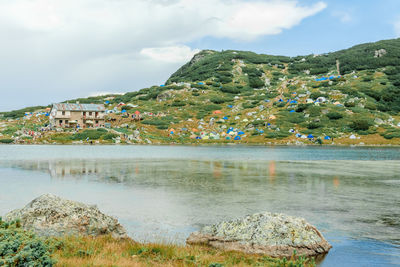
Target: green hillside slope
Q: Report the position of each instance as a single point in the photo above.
(347, 97)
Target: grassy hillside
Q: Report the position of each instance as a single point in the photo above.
(347, 97)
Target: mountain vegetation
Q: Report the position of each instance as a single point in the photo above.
(350, 96)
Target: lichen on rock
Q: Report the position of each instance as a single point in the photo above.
(50, 215)
(276, 235)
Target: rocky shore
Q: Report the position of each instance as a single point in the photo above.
(50, 215)
(275, 235)
(271, 234)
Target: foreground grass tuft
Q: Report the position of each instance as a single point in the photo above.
(106, 251)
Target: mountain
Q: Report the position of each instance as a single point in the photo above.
(352, 96)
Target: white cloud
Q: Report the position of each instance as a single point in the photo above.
(51, 50)
(173, 54)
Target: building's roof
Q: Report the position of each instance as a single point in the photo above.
(79, 107)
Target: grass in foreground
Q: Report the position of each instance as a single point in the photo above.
(106, 251)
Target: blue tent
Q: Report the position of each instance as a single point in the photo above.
(269, 124)
(280, 100)
(198, 137)
(298, 135)
(240, 133)
(310, 136)
(200, 83)
(225, 118)
(292, 111)
(230, 106)
(327, 138)
(162, 85)
(107, 102)
(238, 138)
(261, 131)
(293, 102)
(47, 114)
(228, 138)
(123, 111)
(171, 132)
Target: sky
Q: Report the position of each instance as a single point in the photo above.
(51, 51)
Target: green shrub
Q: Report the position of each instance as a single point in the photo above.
(22, 248)
(230, 89)
(91, 134)
(391, 133)
(301, 107)
(277, 135)
(6, 141)
(211, 107)
(249, 105)
(313, 125)
(219, 100)
(156, 122)
(334, 115)
(178, 103)
(295, 118)
(361, 124)
(109, 136)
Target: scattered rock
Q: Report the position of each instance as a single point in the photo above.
(50, 215)
(275, 235)
(380, 53)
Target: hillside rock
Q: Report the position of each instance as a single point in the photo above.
(275, 235)
(50, 215)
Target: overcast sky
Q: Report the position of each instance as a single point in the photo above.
(52, 51)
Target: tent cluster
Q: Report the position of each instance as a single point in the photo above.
(327, 78)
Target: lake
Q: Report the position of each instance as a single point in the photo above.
(163, 193)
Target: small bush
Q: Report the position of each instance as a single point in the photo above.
(277, 135)
(178, 104)
(109, 136)
(6, 141)
(334, 115)
(313, 125)
(21, 248)
(361, 124)
(91, 134)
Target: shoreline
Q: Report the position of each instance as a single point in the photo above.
(212, 144)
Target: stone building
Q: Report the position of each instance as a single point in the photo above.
(68, 115)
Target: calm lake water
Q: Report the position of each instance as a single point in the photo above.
(163, 193)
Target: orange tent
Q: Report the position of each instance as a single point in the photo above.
(195, 130)
(137, 112)
(217, 112)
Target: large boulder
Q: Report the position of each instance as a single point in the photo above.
(275, 235)
(50, 215)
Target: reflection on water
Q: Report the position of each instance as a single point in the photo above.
(353, 197)
(356, 204)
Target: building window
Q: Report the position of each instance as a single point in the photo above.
(66, 121)
(97, 122)
(60, 122)
(97, 114)
(63, 113)
(90, 113)
(84, 113)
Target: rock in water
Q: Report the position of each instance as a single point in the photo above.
(275, 235)
(50, 215)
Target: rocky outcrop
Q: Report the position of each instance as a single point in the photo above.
(380, 53)
(50, 215)
(275, 235)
